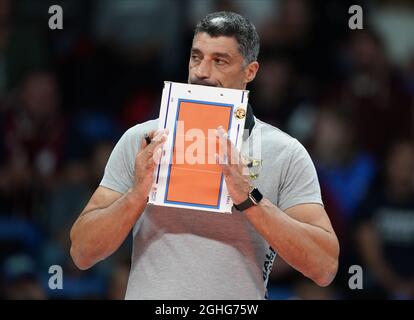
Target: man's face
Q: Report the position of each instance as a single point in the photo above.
(217, 61)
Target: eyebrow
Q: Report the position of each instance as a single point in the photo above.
(217, 54)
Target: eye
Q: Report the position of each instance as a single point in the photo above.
(220, 62)
(195, 57)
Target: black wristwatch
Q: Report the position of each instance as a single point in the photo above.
(252, 200)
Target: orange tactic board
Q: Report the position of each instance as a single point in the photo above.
(198, 180)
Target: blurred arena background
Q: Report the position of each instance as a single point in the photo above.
(67, 95)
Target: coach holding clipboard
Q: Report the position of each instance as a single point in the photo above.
(178, 254)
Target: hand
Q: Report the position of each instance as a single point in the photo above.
(146, 160)
(230, 161)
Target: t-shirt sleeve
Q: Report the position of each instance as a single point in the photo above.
(300, 182)
(119, 170)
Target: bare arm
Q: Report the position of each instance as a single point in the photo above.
(302, 236)
(103, 225)
(109, 216)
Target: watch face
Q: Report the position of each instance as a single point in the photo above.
(256, 195)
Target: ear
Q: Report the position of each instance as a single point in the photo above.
(250, 71)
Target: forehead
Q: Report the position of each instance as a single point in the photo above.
(221, 44)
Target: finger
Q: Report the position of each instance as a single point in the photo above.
(246, 172)
(151, 135)
(157, 153)
(222, 136)
(148, 136)
(222, 151)
(221, 161)
(155, 159)
(143, 143)
(233, 155)
(165, 130)
(159, 139)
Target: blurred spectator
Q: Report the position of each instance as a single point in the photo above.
(274, 94)
(345, 172)
(69, 196)
(118, 281)
(16, 42)
(140, 108)
(392, 16)
(87, 129)
(291, 25)
(374, 91)
(409, 78)
(33, 133)
(60, 209)
(17, 235)
(157, 42)
(343, 168)
(20, 279)
(385, 232)
(294, 32)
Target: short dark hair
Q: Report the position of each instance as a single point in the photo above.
(231, 24)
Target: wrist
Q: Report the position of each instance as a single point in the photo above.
(136, 197)
(242, 195)
(253, 198)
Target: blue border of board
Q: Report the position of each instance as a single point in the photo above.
(170, 162)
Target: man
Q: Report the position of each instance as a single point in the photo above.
(185, 254)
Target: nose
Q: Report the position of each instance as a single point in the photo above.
(203, 70)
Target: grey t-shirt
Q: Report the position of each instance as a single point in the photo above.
(189, 254)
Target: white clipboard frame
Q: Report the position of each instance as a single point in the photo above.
(172, 95)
